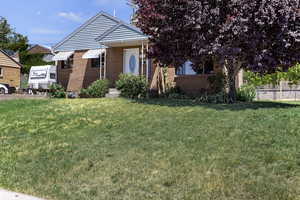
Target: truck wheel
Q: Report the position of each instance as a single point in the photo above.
(2, 91)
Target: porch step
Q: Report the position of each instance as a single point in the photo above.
(113, 93)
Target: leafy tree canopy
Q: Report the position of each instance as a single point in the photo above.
(11, 40)
(29, 60)
(260, 35)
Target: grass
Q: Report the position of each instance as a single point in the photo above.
(156, 149)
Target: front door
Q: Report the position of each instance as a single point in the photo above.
(131, 61)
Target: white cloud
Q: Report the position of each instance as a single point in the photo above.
(71, 16)
(45, 31)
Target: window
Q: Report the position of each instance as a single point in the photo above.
(65, 64)
(52, 76)
(96, 61)
(188, 68)
(1, 72)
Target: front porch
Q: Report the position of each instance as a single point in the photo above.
(124, 57)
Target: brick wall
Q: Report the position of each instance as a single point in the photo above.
(80, 76)
(114, 64)
(190, 84)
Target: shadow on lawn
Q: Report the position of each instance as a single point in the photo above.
(233, 107)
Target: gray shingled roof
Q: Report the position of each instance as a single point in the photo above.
(90, 34)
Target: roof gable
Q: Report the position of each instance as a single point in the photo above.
(7, 61)
(121, 31)
(84, 37)
(39, 49)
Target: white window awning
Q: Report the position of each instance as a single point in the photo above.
(95, 53)
(63, 55)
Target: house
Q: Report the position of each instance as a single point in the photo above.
(105, 47)
(12, 54)
(43, 50)
(10, 70)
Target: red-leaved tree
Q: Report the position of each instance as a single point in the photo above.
(260, 35)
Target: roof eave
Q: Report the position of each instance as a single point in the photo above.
(19, 64)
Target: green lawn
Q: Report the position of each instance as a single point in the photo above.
(157, 149)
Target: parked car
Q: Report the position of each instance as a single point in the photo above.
(42, 77)
(6, 89)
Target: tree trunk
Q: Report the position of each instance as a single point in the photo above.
(161, 80)
(232, 90)
(158, 79)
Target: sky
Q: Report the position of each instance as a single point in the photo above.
(47, 22)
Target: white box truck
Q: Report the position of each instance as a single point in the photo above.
(42, 77)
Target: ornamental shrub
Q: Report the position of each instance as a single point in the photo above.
(217, 82)
(292, 75)
(246, 93)
(132, 86)
(98, 89)
(218, 98)
(57, 91)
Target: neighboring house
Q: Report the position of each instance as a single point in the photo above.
(12, 54)
(10, 70)
(105, 47)
(39, 49)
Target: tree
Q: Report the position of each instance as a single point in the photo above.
(5, 31)
(260, 35)
(11, 40)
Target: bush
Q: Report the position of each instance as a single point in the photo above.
(292, 75)
(132, 86)
(57, 91)
(246, 93)
(97, 90)
(174, 93)
(217, 82)
(219, 98)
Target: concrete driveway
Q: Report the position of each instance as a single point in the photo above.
(20, 96)
(7, 195)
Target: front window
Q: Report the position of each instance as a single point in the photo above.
(1, 72)
(65, 64)
(188, 68)
(96, 61)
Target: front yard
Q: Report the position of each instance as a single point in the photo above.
(118, 149)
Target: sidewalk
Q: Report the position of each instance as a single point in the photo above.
(7, 195)
(20, 96)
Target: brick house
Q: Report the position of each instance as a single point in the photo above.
(105, 47)
(10, 70)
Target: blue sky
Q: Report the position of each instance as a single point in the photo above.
(47, 22)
